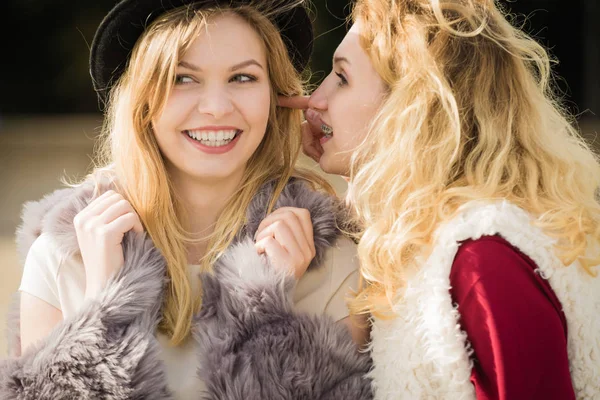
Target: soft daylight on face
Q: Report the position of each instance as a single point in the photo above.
(347, 101)
(218, 110)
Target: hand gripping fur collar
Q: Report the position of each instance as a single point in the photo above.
(251, 344)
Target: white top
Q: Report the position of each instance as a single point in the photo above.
(60, 281)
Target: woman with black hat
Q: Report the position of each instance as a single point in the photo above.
(196, 177)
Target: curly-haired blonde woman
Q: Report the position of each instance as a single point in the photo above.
(479, 202)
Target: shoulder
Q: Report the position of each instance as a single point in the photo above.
(475, 253)
(46, 248)
(47, 253)
(54, 215)
(491, 261)
(41, 269)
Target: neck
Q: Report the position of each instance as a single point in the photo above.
(203, 201)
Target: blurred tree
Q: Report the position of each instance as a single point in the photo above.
(330, 24)
(46, 70)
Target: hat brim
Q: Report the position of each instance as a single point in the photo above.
(125, 23)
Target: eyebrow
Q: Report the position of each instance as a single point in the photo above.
(245, 64)
(338, 59)
(236, 67)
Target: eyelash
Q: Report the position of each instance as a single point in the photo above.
(251, 78)
(235, 78)
(343, 80)
(178, 79)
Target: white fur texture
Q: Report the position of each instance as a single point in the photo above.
(423, 354)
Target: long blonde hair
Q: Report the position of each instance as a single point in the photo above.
(130, 152)
(471, 114)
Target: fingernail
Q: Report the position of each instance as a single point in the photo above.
(311, 114)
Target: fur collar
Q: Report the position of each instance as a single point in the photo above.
(423, 353)
(54, 215)
(251, 343)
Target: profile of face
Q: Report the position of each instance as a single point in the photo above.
(347, 102)
(217, 113)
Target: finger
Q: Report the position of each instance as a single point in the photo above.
(122, 207)
(272, 248)
(297, 102)
(115, 210)
(290, 236)
(313, 117)
(310, 141)
(102, 203)
(302, 219)
(88, 209)
(298, 221)
(312, 154)
(125, 223)
(269, 219)
(277, 255)
(305, 221)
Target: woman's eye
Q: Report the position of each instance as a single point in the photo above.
(183, 79)
(343, 81)
(242, 78)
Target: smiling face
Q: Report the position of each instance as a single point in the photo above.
(347, 101)
(218, 109)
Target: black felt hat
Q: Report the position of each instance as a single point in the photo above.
(124, 24)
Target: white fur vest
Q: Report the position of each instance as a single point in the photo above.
(423, 354)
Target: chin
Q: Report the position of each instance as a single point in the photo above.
(210, 175)
(332, 166)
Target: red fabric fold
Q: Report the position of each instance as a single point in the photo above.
(514, 322)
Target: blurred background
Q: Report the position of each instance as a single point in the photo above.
(49, 115)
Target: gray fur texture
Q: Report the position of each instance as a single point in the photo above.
(324, 213)
(251, 343)
(107, 350)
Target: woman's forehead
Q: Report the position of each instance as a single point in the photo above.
(226, 40)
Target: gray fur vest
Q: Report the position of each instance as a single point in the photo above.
(251, 343)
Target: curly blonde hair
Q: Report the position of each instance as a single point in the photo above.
(471, 114)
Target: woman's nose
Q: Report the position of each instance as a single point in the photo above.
(318, 100)
(216, 102)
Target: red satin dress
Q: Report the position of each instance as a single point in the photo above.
(514, 322)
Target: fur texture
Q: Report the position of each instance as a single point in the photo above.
(326, 214)
(248, 331)
(424, 354)
(108, 349)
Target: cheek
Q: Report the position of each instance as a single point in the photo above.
(174, 113)
(361, 109)
(347, 113)
(254, 105)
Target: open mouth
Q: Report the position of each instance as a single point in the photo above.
(327, 131)
(214, 138)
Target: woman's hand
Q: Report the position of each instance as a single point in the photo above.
(311, 128)
(100, 229)
(286, 237)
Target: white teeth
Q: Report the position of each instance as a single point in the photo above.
(213, 138)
